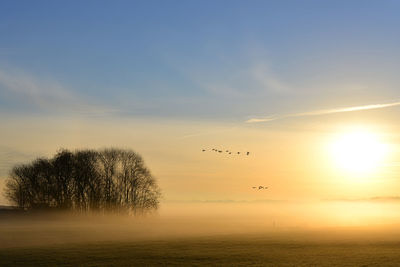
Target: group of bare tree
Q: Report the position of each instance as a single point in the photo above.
(85, 180)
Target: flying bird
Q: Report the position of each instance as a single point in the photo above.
(227, 151)
(260, 187)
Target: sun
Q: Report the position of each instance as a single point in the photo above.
(358, 152)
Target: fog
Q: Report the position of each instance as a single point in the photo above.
(307, 221)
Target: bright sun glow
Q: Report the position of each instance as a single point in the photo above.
(358, 152)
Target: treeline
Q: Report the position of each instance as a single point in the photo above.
(85, 180)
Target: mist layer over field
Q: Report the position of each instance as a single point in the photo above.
(329, 221)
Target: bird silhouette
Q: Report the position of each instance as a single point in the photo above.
(260, 187)
(227, 151)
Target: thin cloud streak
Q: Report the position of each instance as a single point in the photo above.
(196, 134)
(50, 96)
(324, 112)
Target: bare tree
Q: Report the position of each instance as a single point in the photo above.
(85, 180)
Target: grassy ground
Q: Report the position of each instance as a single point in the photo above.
(68, 240)
(218, 251)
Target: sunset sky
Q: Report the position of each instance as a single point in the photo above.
(310, 88)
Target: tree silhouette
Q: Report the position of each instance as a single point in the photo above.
(86, 180)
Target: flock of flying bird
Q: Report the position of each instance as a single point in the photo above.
(226, 151)
(238, 153)
(260, 187)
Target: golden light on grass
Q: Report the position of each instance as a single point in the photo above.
(358, 152)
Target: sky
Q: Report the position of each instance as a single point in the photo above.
(281, 79)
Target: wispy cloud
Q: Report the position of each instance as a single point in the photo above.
(371, 199)
(273, 201)
(9, 157)
(209, 132)
(323, 112)
(267, 79)
(46, 95)
(256, 79)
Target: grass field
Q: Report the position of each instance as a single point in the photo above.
(218, 251)
(71, 240)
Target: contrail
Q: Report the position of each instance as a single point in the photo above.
(323, 112)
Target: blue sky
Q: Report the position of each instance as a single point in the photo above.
(223, 60)
(167, 78)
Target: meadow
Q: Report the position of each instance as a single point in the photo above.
(72, 240)
(210, 251)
